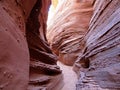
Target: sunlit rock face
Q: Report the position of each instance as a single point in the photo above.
(22, 61)
(100, 59)
(67, 28)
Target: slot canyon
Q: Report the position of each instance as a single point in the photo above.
(59, 44)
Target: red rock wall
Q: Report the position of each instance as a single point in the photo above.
(100, 60)
(44, 73)
(14, 54)
(21, 20)
(67, 28)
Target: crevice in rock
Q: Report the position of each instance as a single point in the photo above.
(33, 24)
(83, 33)
(42, 60)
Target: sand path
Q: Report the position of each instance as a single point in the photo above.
(70, 77)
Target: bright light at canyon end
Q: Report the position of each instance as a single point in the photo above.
(52, 9)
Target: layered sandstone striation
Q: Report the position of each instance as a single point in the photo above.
(99, 63)
(26, 60)
(25, 56)
(96, 45)
(67, 28)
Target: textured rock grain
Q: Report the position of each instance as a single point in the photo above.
(100, 59)
(14, 54)
(20, 58)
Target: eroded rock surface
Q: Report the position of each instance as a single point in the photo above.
(43, 61)
(24, 62)
(67, 28)
(100, 60)
(14, 54)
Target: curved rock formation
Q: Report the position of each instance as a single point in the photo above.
(67, 28)
(14, 54)
(21, 20)
(100, 59)
(26, 60)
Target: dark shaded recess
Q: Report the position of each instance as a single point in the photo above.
(36, 54)
(38, 82)
(44, 32)
(33, 24)
(35, 42)
(39, 67)
(85, 62)
(93, 2)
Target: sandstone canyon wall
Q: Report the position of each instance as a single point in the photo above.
(26, 60)
(99, 63)
(93, 42)
(44, 73)
(74, 34)
(14, 54)
(67, 28)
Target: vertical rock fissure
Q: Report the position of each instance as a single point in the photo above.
(35, 43)
(33, 24)
(44, 72)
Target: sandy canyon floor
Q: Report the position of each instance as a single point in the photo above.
(70, 77)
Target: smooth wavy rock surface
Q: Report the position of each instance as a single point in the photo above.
(67, 28)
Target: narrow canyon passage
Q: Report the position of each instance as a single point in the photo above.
(74, 47)
(85, 34)
(67, 23)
